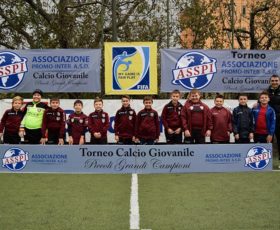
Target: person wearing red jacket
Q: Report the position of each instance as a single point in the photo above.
(10, 122)
(77, 125)
(98, 123)
(222, 125)
(171, 119)
(125, 119)
(147, 124)
(196, 119)
(53, 125)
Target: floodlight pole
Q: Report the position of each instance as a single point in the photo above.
(232, 22)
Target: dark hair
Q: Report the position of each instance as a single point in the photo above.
(147, 98)
(126, 96)
(175, 91)
(274, 76)
(242, 95)
(219, 96)
(54, 99)
(264, 93)
(38, 91)
(78, 102)
(98, 99)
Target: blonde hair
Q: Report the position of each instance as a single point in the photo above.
(17, 98)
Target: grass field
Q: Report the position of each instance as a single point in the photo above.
(166, 201)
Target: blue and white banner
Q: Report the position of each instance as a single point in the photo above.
(51, 70)
(218, 70)
(136, 158)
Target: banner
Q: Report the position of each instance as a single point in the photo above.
(51, 70)
(131, 68)
(136, 158)
(218, 70)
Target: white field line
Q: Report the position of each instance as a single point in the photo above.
(134, 206)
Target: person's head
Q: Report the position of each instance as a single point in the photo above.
(37, 95)
(54, 103)
(98, 104)
(17, 102)
(175, 96)
(243, 99)
(194, 95)
(78, 106)
(125, 101)
(274, 81)
(148, 101)
(219, 101)
(264, 98)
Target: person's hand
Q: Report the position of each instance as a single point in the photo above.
(157, 140)
(70, 140)
(208, 133)
(170, 131)
(178, 131)
(43, 141)
(228, 133)
(97, 135)
(117, 138)
(236, 136)
(60, 141)
(137, 140)
(269, 138)
(187, 133)
(251, 136)
(21, 133)
(82, 140)
(1, 135)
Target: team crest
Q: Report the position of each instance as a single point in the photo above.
(15, 159)
(12, 70)
(194, 70)
(258, 158)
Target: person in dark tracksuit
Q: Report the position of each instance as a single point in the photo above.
(147, 124)
(171, 119)
(274, 95)
(77, 125)
(31, 124)
(98, 123)
(53, 125)
(242, 121)
(125, 120)
(10, 122)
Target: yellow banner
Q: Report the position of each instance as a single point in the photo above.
(131, 68)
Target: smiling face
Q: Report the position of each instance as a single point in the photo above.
(175, 98)
(148, 104)
(17, 105)
(274, 82)
(194, 97)
(219, 102)
(78, 107)
(98, 105)
(125, 102)
(243, 100)
(264, 99)
(37, 97)
(54, 104)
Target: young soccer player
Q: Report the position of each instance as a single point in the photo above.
(98, 123)
(221, 118)
(147, 123)
(264, 120)
(77, 125)
(10, 122)
(171, 119)
(196, 119)
(125, 123)
(53, 126)
(242, 121)
(32, 121)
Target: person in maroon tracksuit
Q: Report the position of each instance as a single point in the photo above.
(10, 122)
(53, 125)
(222, 125)
(171, 119)
(147, 124)
(125, 123)
(98, 123)
(196, 119)
(77, 125)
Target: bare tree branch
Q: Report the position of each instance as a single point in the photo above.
(40, 10)
(7, 45)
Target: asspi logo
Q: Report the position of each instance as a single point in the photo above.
(194, 70)
(12, 69)
(15, 159)
(257, 158)
(131, 68)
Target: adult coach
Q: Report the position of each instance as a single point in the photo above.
(33, 118)
(274, 95)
